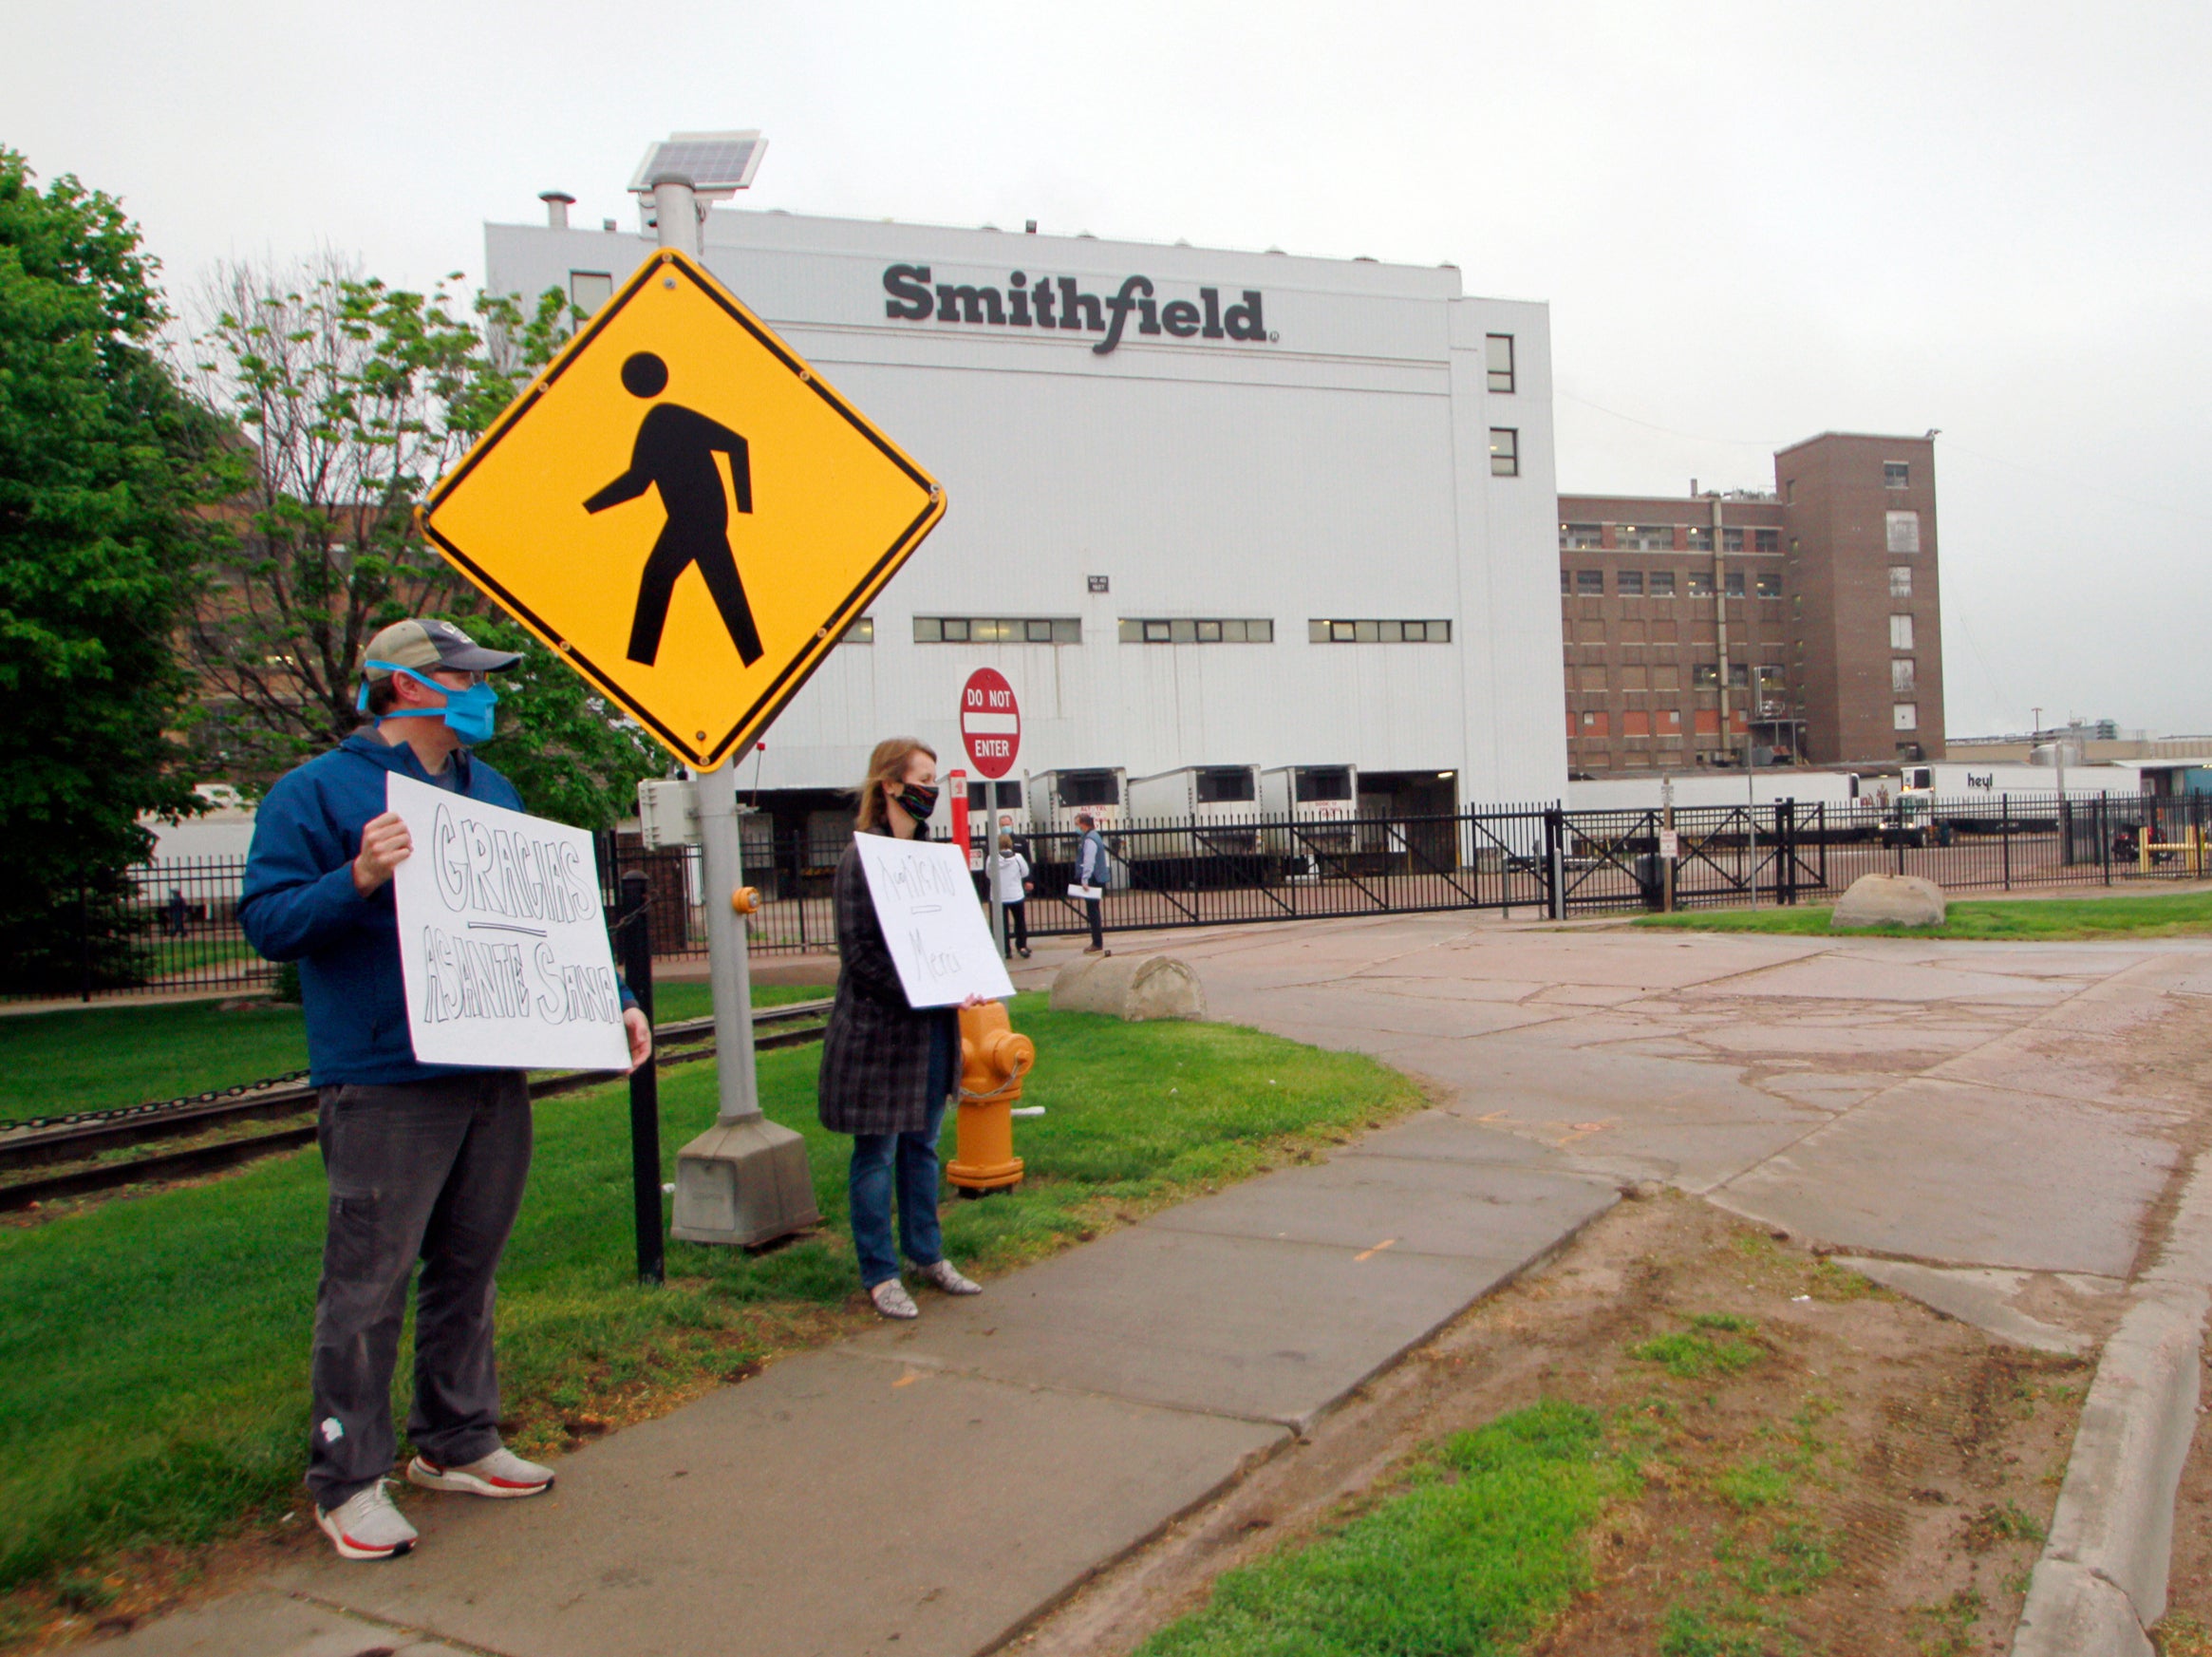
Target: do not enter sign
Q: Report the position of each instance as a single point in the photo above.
(990, 722)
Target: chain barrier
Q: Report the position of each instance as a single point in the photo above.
(78, 1118)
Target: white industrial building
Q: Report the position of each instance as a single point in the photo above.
(1249, 509)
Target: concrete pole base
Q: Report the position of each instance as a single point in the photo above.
(743, 1183)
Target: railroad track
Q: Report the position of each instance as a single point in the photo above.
(83, 1151)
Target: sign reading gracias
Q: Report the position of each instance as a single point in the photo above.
(1060, 303)
(503, 942)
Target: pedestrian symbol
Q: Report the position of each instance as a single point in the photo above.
(675, 454)
(685, 510)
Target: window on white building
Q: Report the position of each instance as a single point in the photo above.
(1505, 451)
(1500, 358)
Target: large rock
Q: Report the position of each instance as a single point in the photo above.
(1130, 986)
(1904, 900)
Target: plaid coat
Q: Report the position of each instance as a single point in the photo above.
(876, 1055)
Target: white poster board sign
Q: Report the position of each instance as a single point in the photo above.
(503, 944)
(935, 928)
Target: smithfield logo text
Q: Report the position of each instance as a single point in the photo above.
(1058, 302)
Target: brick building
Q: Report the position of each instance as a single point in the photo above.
(1799, 626)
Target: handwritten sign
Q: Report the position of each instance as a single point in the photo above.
(502, 945)
(926, 900)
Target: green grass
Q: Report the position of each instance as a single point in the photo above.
(1480, 1551)
(1688, 1356)
(152, 1359)
(2167, 916)
(116, 1053)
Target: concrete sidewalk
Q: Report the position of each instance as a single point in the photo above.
(928, 1488)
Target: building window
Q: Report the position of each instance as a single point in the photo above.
(1705, 676)
(860, 632)
(1900, 675)
(1767, 585)
(1739, 676)
(1766, 540)
(997, 630)
(1901, 632)
(1647, 537)
(1735, 584)
(1500, 357)
(590, 290)
(1590, 583)
(1770, 676)
(1905, 716)
(1567, 582)
(1636, 724)
(1379, 632)
(1628, 583)
(1731, 541)
(1700, 540)
(1585, 537)
(1666, 676)
(1904, 531)
(1897, 475)
(1670, 719)
(1901, 580)
(1505, 451)
(1182, 631)
(1701, 584)
(1659, 583)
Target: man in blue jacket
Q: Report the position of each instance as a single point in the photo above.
(424, 1161)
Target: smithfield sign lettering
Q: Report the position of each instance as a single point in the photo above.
(1058, 302)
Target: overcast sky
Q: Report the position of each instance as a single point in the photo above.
(1752, 222)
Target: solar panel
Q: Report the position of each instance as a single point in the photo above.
(712, 161)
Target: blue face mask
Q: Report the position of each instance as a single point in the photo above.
(467, 713)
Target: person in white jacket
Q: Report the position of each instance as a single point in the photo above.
(1014, 889)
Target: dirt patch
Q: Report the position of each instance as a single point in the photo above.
(2186, 1631)
(1825, 1466)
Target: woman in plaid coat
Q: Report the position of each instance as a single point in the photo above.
(888, 1068)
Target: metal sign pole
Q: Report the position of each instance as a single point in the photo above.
(746, 1180)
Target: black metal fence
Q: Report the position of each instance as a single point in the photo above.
(180, 930)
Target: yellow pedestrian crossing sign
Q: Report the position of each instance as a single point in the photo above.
(684, 509)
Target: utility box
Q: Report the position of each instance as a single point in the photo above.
(668, 814)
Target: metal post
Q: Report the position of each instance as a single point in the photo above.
(746, 1180)
(2005, 831)
(1555, 863)
(1667, 864)
(645, 1081)
(2105, 835)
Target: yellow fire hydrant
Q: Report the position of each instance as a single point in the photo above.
(993, 1060)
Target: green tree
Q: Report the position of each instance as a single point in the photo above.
(105, 461)
(356, 396)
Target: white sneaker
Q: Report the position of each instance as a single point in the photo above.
(946, 1275)
(893, 1301)
(367, 1526)
(502, 1475)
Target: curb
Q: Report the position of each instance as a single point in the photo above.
(2101, 1581)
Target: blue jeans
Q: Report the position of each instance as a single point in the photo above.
(909, 1160)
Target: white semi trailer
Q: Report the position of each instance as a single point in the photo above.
(1055, 796)
(1220, 802)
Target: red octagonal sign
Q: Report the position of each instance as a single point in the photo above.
(990, 722)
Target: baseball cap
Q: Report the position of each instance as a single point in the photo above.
(424, 642)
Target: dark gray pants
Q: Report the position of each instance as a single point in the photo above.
(431, 1171)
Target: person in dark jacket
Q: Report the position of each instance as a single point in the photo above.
(886, 1065)
(425, 1162)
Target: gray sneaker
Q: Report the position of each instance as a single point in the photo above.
(893, 1301)
(367, 1526)
(502, 1475)
(946, 1275)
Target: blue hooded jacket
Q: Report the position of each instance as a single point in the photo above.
(300, 905)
